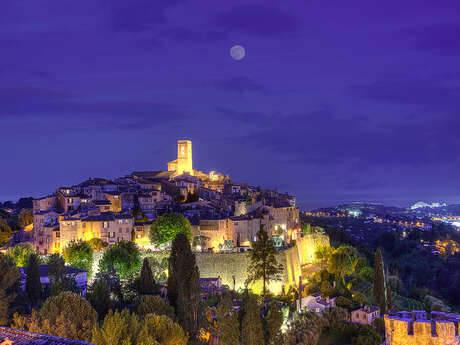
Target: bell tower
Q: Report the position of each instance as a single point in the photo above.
(184, 157)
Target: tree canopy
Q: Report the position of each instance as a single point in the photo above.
(79, 254)
(125, 328)
(166, 227)
(252, 331)
(26, 217)
(227, 324)
(9, 275)
(153, 305)
(264, 265)
(342, 262)
(124, 256)
(66, 315)
(20, 253)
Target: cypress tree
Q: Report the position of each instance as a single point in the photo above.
(228, 325)
(146, 284)
(389, 302)
(380, 289)
(99, 296)
(183, 285)
(33, 285)
(252, 331)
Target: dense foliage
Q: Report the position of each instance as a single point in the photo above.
(145, 284)
(153, 305)
(33, 284)
(126, 328)
(251, 329)
(79, 254)
(124, 257)
(20, 253)
(98, 295)
(60, 281)
(227, 324)
(9, 275)
(166, 227)
(26, 217)
(414, 272)
(66, 315)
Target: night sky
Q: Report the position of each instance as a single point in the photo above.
(335, 100)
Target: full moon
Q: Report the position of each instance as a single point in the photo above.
(237, 52)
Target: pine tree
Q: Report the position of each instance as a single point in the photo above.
(33, 285)
(264, 265)
(380, 290)
(145, 284)
(228, 326)
(252, 331)
(183, 285)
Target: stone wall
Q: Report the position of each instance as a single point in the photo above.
(405, 329)
(297, 262)
(229, 265)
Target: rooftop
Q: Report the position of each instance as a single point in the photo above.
(43, 270)
(19, 337)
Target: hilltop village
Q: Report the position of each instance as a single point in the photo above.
(242, 252)
(224, 215)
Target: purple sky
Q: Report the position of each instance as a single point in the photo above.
(334, 101)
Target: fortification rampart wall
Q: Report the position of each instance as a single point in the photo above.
(407, 329)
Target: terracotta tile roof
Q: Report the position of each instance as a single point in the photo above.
(19, 337)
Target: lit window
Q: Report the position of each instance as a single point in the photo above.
(105, 225)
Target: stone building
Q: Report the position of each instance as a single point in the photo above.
(183, 163)
(413, 328)
(109, 227)
(365, 315)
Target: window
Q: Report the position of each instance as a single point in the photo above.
(70, 200)
(58, 234)
(120, 230)
(111, 234)
(105, 225)
(83, 225)
(127, 230)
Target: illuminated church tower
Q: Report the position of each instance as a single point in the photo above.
(183, 163)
